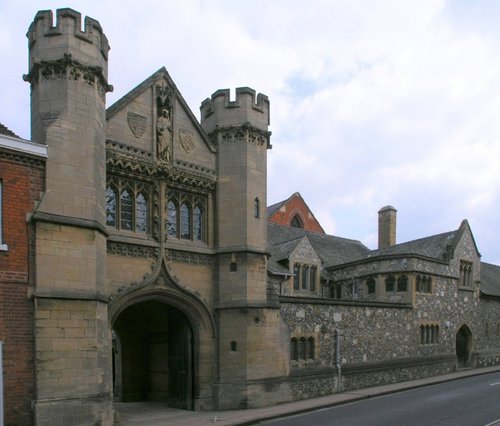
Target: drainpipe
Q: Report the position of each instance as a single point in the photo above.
(1, 383)
(338, 360)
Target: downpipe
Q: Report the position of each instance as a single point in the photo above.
(338, 363)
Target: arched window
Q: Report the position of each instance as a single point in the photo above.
(336, 291)
(198, 223)
(310, 348)
(305, 275)
(256, 208)
(172, 219)
(370, 285)
(111, 207)
(126, 210)
(185, 221)
(302, 348)
(296, 222)
(403, 283)
(389, 283)
(312, 278)
(296, 276)
(294, 349)
(141, 213)
(427, 285)
(422, 334)
(427, 334)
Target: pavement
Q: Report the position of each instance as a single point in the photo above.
(157, 414)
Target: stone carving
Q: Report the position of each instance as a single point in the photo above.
(123, 249)
(189, 258)
(137, 123)
(68, 68)
(186, 141)
(164, 123)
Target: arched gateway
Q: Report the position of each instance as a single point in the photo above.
(153, 355)
(162, 345)
(463, 346)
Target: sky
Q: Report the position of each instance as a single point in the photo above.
(373, 102)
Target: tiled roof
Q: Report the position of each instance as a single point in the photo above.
(490, 279)
(436, 246)
(272, 209)
(4, 130)
(282, 240)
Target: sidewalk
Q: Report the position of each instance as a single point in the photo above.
(156, 414)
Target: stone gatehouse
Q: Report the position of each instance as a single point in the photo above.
(158, 273)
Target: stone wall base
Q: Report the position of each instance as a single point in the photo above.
(75, 412)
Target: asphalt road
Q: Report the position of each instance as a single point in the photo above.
(473, 401)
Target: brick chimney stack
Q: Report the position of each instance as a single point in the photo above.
(386, 226)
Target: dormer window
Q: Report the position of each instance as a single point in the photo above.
(305, 277)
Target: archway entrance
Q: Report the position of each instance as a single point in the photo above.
(463, 346)
(153, 355)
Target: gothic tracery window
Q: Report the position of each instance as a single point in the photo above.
(111, 207)
(171, 219)
(141, 213)
(185, 221)
(186, 216)
(126, 210)
(198, 224)
(127, 206)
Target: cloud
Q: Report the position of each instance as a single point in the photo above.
(372, 102)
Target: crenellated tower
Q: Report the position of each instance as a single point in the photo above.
(68, 76)
(245, 316)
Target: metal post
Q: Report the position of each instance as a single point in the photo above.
(1, 384)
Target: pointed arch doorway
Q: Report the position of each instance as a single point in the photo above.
(153, 355)
(463, 346)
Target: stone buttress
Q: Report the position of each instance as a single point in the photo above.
(68, 77)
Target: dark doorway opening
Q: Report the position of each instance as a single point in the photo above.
(463, 346)
(153, 355)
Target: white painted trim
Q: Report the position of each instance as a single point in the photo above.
(23, 145)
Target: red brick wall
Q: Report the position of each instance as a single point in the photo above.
(21, 186)
(296, 205)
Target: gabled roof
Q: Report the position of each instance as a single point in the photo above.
(436, 246)
(134, 93)
(275, 207)
(490, 279)
(4, 130)
(302, 209)
(282, 240)
(439, 246)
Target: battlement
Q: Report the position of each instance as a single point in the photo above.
(68, 24)
(247, 108)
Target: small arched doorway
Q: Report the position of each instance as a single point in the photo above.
(463, 346)
(153, 355)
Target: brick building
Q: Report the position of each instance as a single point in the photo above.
(158, 275)
(22, 166)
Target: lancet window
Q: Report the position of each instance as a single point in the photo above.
(305, 277)
(186, 216)
(128, 206)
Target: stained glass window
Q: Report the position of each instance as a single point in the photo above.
(141, 213)
(185, 221)
(198, 224)
(171, 219)
(111, 207)
(126, 210)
